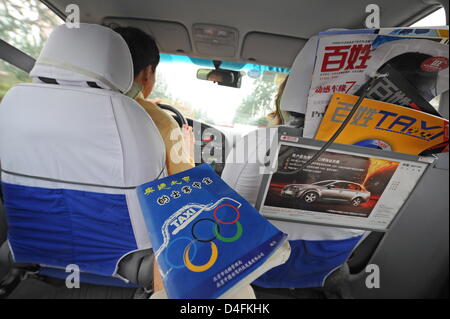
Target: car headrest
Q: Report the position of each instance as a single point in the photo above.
(90, 53)
(295, 95)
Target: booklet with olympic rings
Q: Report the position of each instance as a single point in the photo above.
(205, 236)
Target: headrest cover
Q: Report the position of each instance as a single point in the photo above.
(295, 95)
(89, 53)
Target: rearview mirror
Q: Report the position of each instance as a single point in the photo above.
(221, 77)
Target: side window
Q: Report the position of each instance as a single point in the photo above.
(26, 25)
(340, 185)
(435, 19)
(353, 187)
(10, 76)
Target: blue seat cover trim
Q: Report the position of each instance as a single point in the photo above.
(87, 278)
(57, 227)
(310, 262)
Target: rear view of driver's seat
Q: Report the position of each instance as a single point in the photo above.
(72, 150)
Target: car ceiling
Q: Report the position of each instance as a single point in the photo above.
(267, 31)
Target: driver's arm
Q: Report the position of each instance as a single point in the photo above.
(178, 158)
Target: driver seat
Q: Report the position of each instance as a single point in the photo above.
(73, 148)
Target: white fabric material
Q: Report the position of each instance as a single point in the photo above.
(81, 135)
(295, 95)
(246, 180)
(83, 84)
(89, 53)
(61, 74)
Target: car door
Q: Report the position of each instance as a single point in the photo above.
(334, 191)
(352, 191)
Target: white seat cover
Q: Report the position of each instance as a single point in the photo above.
(71, 155)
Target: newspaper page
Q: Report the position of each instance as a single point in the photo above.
(345, 60)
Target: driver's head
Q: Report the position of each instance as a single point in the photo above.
(145, 55)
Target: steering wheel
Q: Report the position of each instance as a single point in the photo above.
(180, 117)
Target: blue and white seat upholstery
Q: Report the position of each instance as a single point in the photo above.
(73, 147)
(315, 250)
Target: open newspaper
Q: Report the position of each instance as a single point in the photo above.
(208, 240)
(346, 59)
(384, 126)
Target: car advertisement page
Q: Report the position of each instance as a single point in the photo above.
(339, 188)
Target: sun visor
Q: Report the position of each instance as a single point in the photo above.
(171, 37)
(88, 53)
(270, 49)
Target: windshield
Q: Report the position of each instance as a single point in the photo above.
(208, 102)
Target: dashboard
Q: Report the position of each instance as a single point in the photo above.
(211, 145)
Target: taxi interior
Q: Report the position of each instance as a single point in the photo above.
(267, 34)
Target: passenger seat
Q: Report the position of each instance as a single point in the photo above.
(317, 251)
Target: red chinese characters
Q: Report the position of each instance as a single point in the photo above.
(342, 88)
(345, 57)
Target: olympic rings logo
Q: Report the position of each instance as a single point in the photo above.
(191, 247)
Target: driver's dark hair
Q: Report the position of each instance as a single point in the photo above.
(143, 48)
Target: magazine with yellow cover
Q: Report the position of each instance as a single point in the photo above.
(384, 126)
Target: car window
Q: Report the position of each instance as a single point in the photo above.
(9, 76)
(241, 108)
(340, 185)
(25, 25)
(353, 187)
(435, 19)
(323, 183)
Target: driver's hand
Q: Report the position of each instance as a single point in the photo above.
(156, 101)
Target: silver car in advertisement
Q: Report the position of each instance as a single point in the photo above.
(337, 190)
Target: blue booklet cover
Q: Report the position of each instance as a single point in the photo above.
(205, 236)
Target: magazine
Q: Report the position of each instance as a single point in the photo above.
(346, 59)
(344, 187)
(384, 126)
(207, 239)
